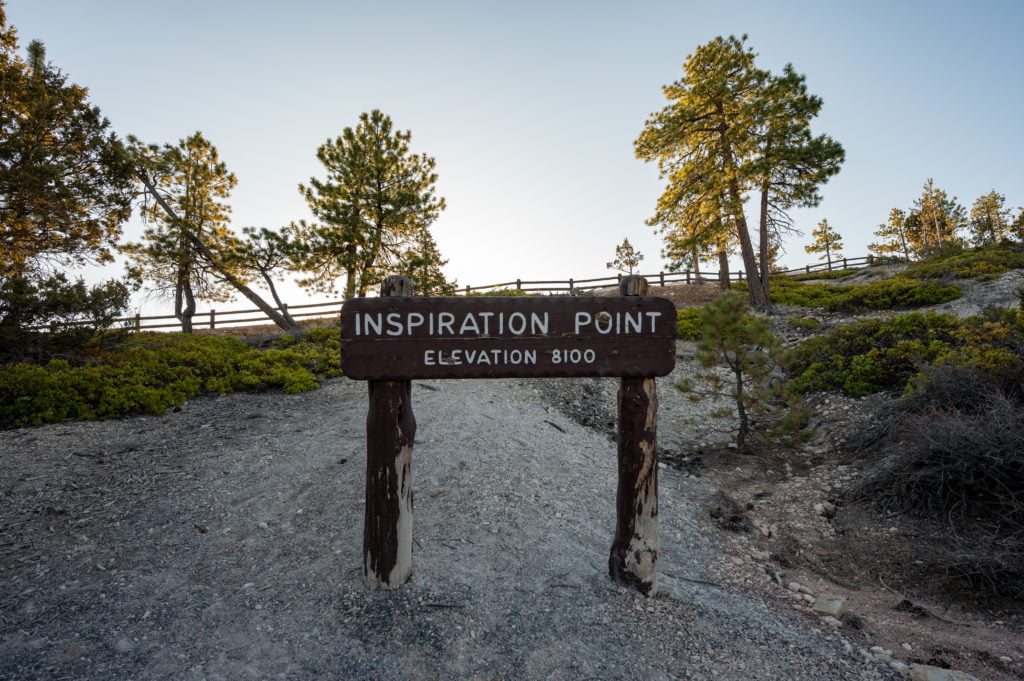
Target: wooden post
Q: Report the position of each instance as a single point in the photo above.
(138, 322)
(634, 553)
(390, 431)
(519, 284)
(213, 318)
(661, 275)
(572, 289)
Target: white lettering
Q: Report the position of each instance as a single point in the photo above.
(412, 320)
(377, 325)
(582, 319)
(512, 319)
(636, 323)
(469, 322)
(395, 323)
(486, 317)
(606, 318)
(653, 315)
(538, 324)
(428, 358)
(445, 321)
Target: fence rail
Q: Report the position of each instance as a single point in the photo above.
(214, 319)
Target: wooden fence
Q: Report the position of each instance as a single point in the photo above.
(578, 286)
(215, 319)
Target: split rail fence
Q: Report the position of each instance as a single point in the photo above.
(215, 319)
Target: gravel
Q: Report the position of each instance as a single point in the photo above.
(223, 541)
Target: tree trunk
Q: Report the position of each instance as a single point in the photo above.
(758, 295)
(763, 245)
(277, 299)
(214, 261)
(723, 270)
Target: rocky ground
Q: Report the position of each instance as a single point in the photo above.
(223, 540)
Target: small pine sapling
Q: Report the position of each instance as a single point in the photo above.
(755, 362)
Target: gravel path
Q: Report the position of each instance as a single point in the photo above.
(223, 542)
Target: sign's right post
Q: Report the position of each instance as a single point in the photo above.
(635, 548)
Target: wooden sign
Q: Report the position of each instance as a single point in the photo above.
(402, 338)
(395, 338)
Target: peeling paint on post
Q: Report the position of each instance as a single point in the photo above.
(390, 431)
(634, 553)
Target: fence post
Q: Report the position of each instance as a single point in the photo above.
(687, 276)
(390, 431)
(571, 287)
(845, 266)
(739, 275)
(138, 321)
(633, 559)
(519, 284)
(661, 276)
(829, 267)
(808, 268)
(467, 289)
(213, 319)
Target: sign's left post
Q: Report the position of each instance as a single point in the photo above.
(390, 431)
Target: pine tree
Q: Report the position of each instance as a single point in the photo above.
(990, 219)
(66, 182)
(194, 184)
(66, 187)
(627, 258)
(370, 208)
(893, 236)
(731, 128)
(745, 346)
(826, 240)
(935, 220)
(422, 262)
(791, 164)
(1017, 226)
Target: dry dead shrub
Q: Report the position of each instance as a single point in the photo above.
(954, 458)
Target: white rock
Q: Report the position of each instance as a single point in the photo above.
(830, 604)
(794, 587)
(907, 647)
(832, 622)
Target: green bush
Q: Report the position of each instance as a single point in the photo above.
(893, 294)
(886, 294)
(874, 355)
(688, 323)
(150, 372)
(986, 263)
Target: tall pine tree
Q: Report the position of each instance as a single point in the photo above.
(375, 200)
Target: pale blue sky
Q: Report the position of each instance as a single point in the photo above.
(531, 108)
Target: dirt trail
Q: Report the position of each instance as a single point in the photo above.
(223, 542)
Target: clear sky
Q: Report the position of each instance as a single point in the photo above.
(531, 108)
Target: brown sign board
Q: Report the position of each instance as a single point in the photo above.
(403, 338)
